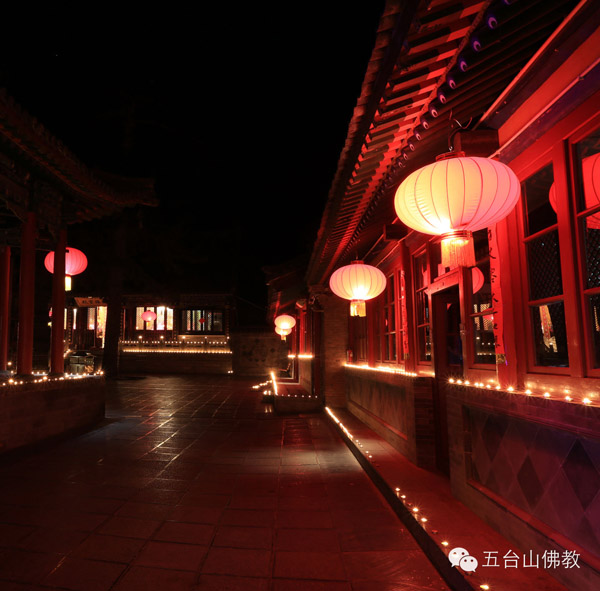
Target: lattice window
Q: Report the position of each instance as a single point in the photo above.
(587, 176)
(545, 279)
(546, 299)
(592, 251)
(422, 300)
(200, 321)
(389, 321)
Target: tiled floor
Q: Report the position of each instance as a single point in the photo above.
(190, 484)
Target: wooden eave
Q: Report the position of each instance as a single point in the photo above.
(377, 156)
(85, 195)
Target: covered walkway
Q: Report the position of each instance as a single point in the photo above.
(194, 484)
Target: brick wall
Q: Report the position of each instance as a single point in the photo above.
(258, 353)
(305, 374)
(334, 348)
(530, 467)
(397, 407)
(31, 413)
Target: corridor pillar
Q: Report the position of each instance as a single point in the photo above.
(4, 305)
(331, 354)
(57, 364)
(26, 296)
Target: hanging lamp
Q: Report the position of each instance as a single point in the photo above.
(75, 263)
(148, 316)
(454, 197)
(357, 282)
(590, 169)
(285, 321)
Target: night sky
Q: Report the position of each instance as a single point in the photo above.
(239, 112)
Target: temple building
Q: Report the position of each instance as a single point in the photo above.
(44, 189)
(187, 333)
(486, 371)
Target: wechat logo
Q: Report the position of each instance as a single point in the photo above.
(461, 557)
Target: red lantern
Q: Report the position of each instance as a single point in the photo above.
(477, 279)
(590, 167)
(75, 263)
(454, 197)
(148, 316)
(285, 321)
(357, 282)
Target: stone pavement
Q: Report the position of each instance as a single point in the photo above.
(448, 523)
(192, 483)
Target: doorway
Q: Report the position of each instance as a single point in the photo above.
(448, 362)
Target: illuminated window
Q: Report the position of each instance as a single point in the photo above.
(389, 320)
(101, 323)
(403, 328)
(202, 321)
(139, 321)
(546, 299)
(587, 174)
(160, 318)
(422, 307)
(91, 318)
(482, 318)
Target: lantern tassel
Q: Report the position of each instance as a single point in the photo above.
(358, 308)
(458, 250)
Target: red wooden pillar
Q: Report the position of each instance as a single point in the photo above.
(26, 296)
(4, 305)
(58, 306)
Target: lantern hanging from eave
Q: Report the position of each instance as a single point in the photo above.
(454, 197)
(75, 263)
(590, 168)
(148, 316)
(285, 321)
(357, 282)
(283, 332)
(477, 279)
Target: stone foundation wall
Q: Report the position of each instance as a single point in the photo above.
(258, 353)
(397, 407)
(334, 349)
(31, 413)
(530, 467)
(305, 374)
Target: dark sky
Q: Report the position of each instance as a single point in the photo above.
(238, 110)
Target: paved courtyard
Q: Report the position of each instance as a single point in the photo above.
(194, 484)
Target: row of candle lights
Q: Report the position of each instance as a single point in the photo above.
(415, 511)
(177, 351)
(44, 378)
(274, 391)
(565, 395)
(161, 341)
(384, 369)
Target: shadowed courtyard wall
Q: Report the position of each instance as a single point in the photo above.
(31, 413)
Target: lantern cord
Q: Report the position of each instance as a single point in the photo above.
(459, 127)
